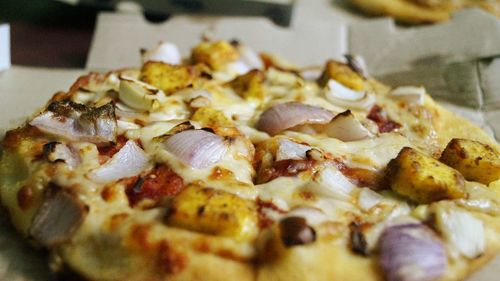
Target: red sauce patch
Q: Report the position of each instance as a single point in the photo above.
(264, 221)
(158, 184)
(379, 116)
(285, 168)
(25, 197)
(169, 260)
(360, 176)
(108, 151)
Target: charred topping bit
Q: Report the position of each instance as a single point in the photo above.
(357, 64)
(295, 231)
(78, 122)
(379, 116)
(159, 184)
(59, 152)
(423, 179)
(476, 161)
(59, 216)
(358, 242)
(284, 168)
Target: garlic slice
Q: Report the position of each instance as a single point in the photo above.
(139, 95)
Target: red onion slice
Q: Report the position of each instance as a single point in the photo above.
(346, 127)
(287, 115)
(411, 252)
(197, 148)
(129, 161)
(58, 218)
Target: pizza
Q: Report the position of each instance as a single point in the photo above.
(234, 165)
(423, 11)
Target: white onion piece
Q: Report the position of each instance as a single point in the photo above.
(291, 150)
(129, 161)
(311, 74)
(463, 231)
(238, 67)
(332, 183)
(189, 94)
(410, 94)
(368, 199)
(165, 52)
(411, 252)
(339, 91)
(197, 148)
(346, 127)
(57, 219)
(287, 115)
(56, 151)
(340, 95)
(312, 215)
(250, 57)
(125, 125)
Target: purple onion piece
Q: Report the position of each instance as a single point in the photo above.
(411, 252)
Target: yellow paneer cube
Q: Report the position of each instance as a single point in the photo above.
(166, 77)
(214, 212)
(249, 85)
(210, 117)
(214, 54)
(476, 161)
(423, 179)
(343, 74)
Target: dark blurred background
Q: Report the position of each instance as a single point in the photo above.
(47, 32)
(55, 34)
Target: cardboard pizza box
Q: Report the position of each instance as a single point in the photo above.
(461, 73)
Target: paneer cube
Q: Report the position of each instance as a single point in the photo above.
(214, 212)
(210, 117)
(249, 85)
(214, 54)
(476, 161)
(343, 74)
(423, 179)
(166, 77)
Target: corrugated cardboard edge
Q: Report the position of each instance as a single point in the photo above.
(108, 50)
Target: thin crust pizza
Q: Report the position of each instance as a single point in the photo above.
(233, 165)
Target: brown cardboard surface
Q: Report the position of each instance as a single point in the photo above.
(23, 90)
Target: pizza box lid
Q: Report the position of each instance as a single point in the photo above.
(457, 62)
